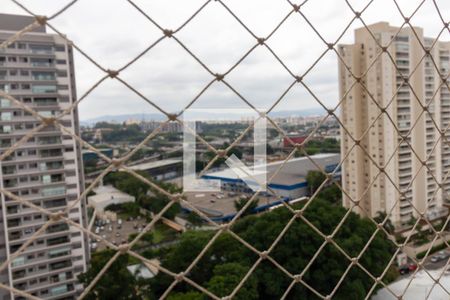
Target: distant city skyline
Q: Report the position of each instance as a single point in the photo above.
(171, 78)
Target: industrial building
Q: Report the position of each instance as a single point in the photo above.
(161, 169)
(89, 155)
(290, 181)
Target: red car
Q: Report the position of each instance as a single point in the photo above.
(412, 267)
(405, 269)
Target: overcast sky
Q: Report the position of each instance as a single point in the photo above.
(113, 32)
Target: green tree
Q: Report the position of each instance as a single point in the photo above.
(293, 251)
(331, 194)
(156, 203)
(225, 279)
(192, 295)
(208, 156)
(129, 184)
(194, 219)
(111, 284)
(388, 226)
(314, 180)
(241, 202)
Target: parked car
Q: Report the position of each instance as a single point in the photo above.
(119, 222)
(443, 254)
(403, 269)
(117, 234)
(97, 230)
(412, 267)
(435, 258)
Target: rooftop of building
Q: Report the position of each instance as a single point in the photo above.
(155, 164)
(292, 172)
(107, 192)
(418, 287)
(144, 270)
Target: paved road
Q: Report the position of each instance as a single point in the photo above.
(430, 265)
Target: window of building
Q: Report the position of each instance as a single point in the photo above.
(60, 48)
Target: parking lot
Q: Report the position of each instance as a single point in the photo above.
(222, 203)
(115, 233)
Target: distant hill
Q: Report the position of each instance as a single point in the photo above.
(160, 117)
(123, 118)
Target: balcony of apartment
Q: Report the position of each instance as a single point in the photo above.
(42, 156)
(14, 64)
(46, 168)
(401, 53)
(46, 284)
(46, 181)
(44, 102)
(37, 196)
(405, 167)
(62, 291)
(31, 260)
(41, 49)
(42, 62)
(406, 211)
(47, 269)
(15, 211)
(36, 248)
(8, 119)
(18, 130)
(18, 235)
(44, 76)
(437, 213)
(405, 204)
(51, 153)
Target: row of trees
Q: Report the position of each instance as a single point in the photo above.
(328, 145)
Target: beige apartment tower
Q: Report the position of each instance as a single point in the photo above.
(38, 70)
(404, 137)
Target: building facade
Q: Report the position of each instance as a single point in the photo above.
(38, 70)
(404, 137)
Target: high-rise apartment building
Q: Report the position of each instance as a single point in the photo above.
(404, 180)
(38, 71)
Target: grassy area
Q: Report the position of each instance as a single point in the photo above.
(163, 233)
(160, 233)
(158, 236)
